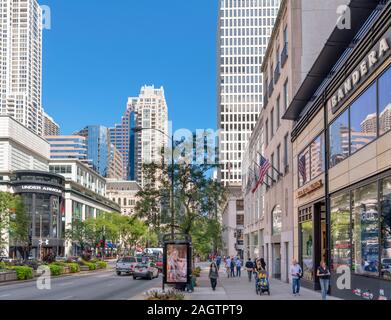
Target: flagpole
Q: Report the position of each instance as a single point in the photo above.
(278, 172)
(266, 174)
(263, 183)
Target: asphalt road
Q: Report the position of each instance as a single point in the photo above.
(103, 285)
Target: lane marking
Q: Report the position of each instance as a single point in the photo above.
(5, 295)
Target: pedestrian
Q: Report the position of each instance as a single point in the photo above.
(218, 262)
(213, 275)
(259, 265)
(228, 266)
(232, 266)
(250, 269)
(324, 278)
(296, 274)
(238, 268)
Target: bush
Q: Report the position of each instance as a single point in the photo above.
(169, 295)
(101, 264)
(91, 266)
(2, 266)
(23, 272)
(56, 270)
(60, 263)
(74, 267)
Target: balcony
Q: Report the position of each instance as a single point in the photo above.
(276, 73)
(284, 54)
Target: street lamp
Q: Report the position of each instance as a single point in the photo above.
(173, 146)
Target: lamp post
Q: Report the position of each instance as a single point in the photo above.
(139, 129)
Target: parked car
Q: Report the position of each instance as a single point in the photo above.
(126, 265)
(146, 271)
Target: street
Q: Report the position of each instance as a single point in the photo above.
(103, 285)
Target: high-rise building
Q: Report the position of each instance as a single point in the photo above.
(150, 113)
(105, 158)
(68, 147)
(21, 61)
(50, 127)
(244, 29)
(123, 138)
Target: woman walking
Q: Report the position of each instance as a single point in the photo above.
(324, 278)
(213, 275)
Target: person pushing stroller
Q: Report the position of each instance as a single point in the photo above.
(262, 284)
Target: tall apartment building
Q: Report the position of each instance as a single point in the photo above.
(150, 113)
(104, 156)
(50, 127)
(244, 28)
(123, 138)
(243, 32)
(296, 40)
(21, 61)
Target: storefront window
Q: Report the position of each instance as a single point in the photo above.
(55, 216)
(304, 167)
(365, 219)
(317, 157)
(307, 249)
(77, 211)
(363, 120)
(339, 139)
(277, 222)
(386, 230)
(42, 215)
(385, 102)
(340, 231)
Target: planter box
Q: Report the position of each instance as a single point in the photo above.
(84, 268)
(8, 276)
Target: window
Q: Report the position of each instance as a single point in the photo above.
(278, 159)
(306, 229)
(339, 139)
(317, 157)
(272, 124)
(363, 120)
(276, 221)
(385, 102)
(304, 167)
(386, 229)
(340, 231)
(286, 146)
(273, 165)
(278, 114)
(267, 131)
(239, 205)
(365, 219)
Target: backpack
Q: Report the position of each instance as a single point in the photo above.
(232, 264)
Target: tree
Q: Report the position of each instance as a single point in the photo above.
(6, 205)
(197, 197)
(20, 225)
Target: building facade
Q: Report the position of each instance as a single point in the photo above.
(124, 193)
(292, 49)
(85, 195)
(342, 160)
(150, 113)
(244, 29)
(21, 61)
(68, 147)
(123, 138)
(50, 127)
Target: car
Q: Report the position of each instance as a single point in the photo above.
(61, 259)
(146, 270)
(126, 265)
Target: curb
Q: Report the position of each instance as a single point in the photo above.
(8, 283)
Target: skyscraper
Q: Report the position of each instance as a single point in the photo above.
(244, 29)
(123, 138)
(150, 113)
(104, 156)
(50, 127)
(21, 61)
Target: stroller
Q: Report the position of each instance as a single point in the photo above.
(263, 284)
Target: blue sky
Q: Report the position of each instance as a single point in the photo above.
(96, 55)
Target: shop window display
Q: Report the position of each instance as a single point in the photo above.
(386, 229)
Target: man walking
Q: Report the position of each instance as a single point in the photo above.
(232, 266)
(228, 266)
(250, 269)
(296, 274)
(238, 267)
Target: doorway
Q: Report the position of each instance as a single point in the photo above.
(320, 228)
(276, 260)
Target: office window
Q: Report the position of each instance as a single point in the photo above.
(339, 139)
(363, 120)
(365, 220)
(286, 93)
(278, 164)
(278, 113)
(286, 146)
(340, 231)
(272, 124)
(385, 102)
(267, 131)
(276, 220)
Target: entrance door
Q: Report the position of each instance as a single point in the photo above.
(277, 261)
(320, 237)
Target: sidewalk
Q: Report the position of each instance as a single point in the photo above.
(242, 289)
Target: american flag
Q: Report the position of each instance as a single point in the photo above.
(302, 167)
(263, 169)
